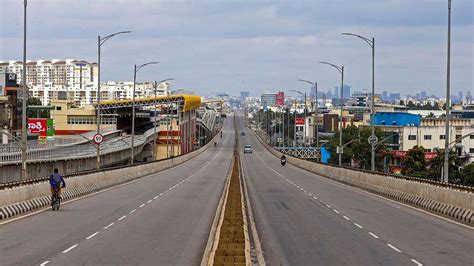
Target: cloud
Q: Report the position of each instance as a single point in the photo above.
(215, 45)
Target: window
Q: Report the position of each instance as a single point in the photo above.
(427, 137)
(411, 137)
(471, 150)
(442, 136)
(471, 136)
(427, 150)
(58, 108)
(458, 138)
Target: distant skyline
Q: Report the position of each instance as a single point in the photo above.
(231, 46)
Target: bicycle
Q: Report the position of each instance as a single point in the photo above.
(55, 199)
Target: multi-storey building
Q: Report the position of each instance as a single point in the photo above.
(75, 80)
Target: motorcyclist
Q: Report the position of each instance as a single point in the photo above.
(55, 180)
(283, 159)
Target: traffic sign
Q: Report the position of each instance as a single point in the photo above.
(339, 150)
(98, 138)
(373, 139)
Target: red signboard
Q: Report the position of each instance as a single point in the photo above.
(299, 121)
(37, 126)
(401, 154)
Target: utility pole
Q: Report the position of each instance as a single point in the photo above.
(100, 42)
(448, 99)
(373, 138)
(154, 124)
(25, 99)
(341, 71)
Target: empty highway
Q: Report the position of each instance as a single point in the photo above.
(163, 219)
(304, 219)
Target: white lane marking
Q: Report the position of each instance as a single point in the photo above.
(358, 225)
(416, 262)
(161, 194)
(122, 217)
(310, 195)
(132, 211)
(141, 205)
(149, 201)
(315, 198)
(336, 211)
(345, 217)
(44, 263)
(328, 206)
(108, 225)
(374, 235)
(155, 197)
(91, 236)
(69, 249)
(394, 248)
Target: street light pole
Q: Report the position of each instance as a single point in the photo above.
(136, 69)
(341, 70)
(315, 85)
(448, 97)
(100, 42)
(371, 43)
(25, 98)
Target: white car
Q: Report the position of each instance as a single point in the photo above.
(248, 148)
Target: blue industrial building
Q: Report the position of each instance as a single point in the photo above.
(397, 119)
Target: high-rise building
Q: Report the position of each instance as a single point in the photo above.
(244, 95)
(268, 99)
(460, 97)
(423, 95)
(384, 95)
(346, 89)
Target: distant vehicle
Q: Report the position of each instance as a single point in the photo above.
(242, 133)
(248, 148)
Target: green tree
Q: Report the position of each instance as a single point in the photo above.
(468, 175)
(436, 166)
(358, 151)
(414, 163)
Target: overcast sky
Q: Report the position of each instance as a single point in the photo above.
(229, 46)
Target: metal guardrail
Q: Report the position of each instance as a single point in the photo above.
(464, 188)
(86, 150)
(10, 185)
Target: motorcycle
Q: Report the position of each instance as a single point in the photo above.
(283, 162)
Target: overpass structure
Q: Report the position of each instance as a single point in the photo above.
(177, 125)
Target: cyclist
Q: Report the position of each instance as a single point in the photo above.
(55, 180)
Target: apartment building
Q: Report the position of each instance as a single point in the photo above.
(76, 81)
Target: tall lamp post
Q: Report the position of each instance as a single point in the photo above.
(25, 98)
(448, 98)
(136, 69)
(315, 85)
(373, 138)
(100, 42)
(304, 127)
(154, 124)
(341, 70)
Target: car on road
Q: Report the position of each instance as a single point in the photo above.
(248, 148)
(242, 133)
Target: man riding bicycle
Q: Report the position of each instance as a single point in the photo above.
(55, 181)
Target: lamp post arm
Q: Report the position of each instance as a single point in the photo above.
(104, 39)
(367, 40)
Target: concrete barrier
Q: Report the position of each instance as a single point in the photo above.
(22, 199)
(455, 204)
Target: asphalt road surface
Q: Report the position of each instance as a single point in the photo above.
(163, 219)
(304, 219)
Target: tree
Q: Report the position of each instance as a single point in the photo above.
(358, 152)
(401, 102)
(436, 166)
(414, 163)
(468, 175)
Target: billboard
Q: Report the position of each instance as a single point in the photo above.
(41, 126)
(299, 121)
(37, 126)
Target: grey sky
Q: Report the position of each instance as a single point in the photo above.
(230, 46)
